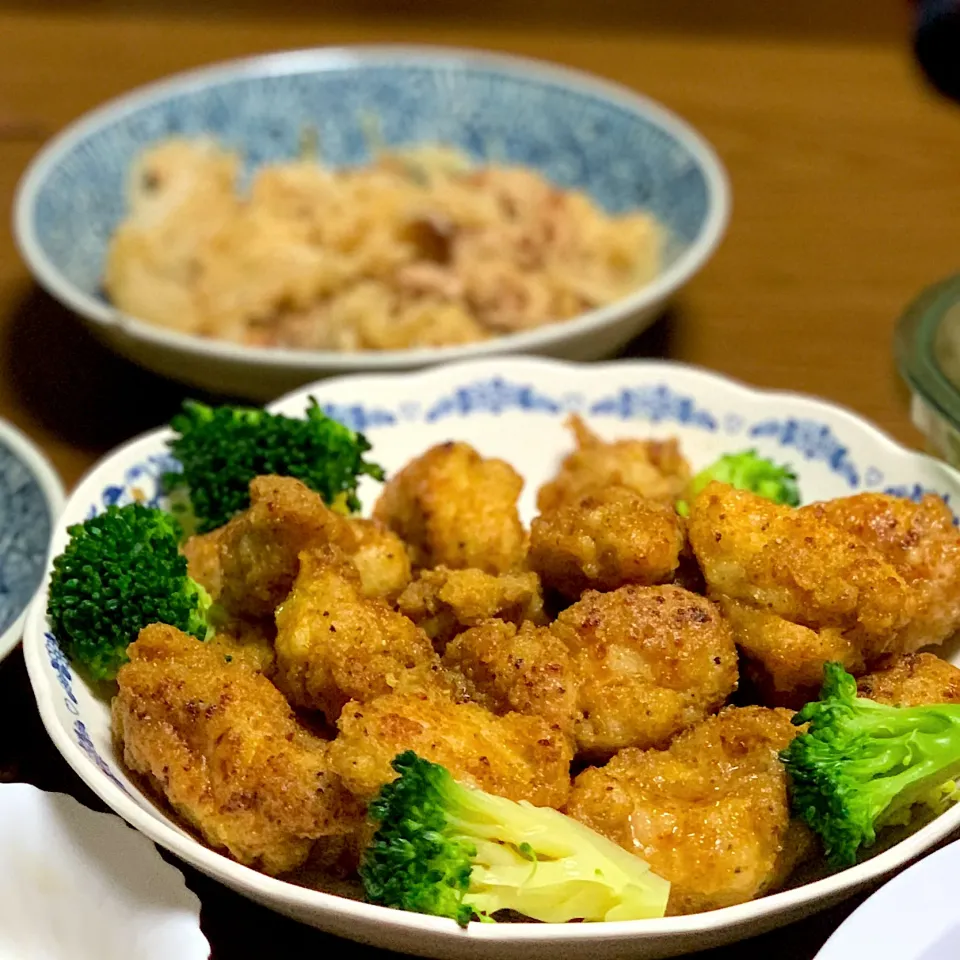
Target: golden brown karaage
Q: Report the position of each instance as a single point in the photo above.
(655, 469)
(710, 814)
(605, 540)
(443, 602)
(514, 756)
(651, 661)
(456, 509)
(798, 566)
(221, 744)
(335, 645)
(912, 680)
(922, 544)
(508, 669)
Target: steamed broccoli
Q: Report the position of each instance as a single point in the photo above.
(747, 470)
(120, 571)
(862, 765)
(449, 850)
(221, 449)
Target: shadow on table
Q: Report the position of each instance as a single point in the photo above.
(76, 387)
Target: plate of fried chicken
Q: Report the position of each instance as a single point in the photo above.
(516, 658)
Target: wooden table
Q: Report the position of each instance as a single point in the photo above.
(846, 202)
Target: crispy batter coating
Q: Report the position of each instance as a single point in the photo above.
(335, 645)
(655, 469)
(651, 662)
(920, 541)
(912, 681)
(381, 559)
(783, 661)
(249, 641)
(506, 669)
(604, 540)
(443, 602)
(518, 757)
(219, 741)
(249, 564)
(456, 509)
(795, 564)
(710, 814)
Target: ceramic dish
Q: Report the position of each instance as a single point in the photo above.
(913, 917)
(513, 409)
(80, 885)
(928, 354)
(31, 498)
(623, 149)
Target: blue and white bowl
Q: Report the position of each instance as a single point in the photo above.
(621, 148)
(31, 498)
(512, 408)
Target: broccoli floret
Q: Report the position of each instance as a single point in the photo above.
(450, 850)
(221, 449)
(747, 470)
(120, 571)
(863, 765)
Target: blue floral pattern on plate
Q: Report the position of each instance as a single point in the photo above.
(657, 404)
(25, 526)
(813, 440)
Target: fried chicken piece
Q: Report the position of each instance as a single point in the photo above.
(651, 661)
(711, 814)
(515, 756)
(249, 564)
(783, 661)
(604, 540)
(913, 680)
(335, 645)
(655, 469)
(221, 744)
(443, 602)
(922, 544)
(381, 559)
(523, 670)
(249, 641)
(794, 564)
(456, 509)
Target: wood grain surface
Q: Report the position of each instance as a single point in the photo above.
(846, 183)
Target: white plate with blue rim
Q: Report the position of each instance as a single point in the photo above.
(31, 498)
(515, 409)
(913, 917)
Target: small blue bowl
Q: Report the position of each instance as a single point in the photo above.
(31, 499)
(622, 149)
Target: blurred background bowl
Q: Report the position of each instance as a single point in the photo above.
(927, 347)
(624, 150)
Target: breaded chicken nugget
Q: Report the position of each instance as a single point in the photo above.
(456, 509)
(651, 661)
(784, 661)
(912, 680)
(249, 641)
(221, 744)
(794, 564)
(653, 468)
(506, 669)
(335, 645)
(710, 814)
(516, 756)
(381, 559)
(604, 540)
(922, 544)
(249, 564)
(443, 602)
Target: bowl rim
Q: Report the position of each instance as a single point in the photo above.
(787, 903)
(325, 59)
(54, 495)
